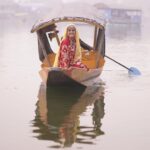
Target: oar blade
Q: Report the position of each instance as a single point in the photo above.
(134, 71)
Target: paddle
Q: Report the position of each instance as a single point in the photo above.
(131, 70)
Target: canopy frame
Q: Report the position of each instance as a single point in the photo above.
(44, 23)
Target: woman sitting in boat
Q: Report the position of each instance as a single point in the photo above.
(69, 53)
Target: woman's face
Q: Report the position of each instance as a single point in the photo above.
(71, 31)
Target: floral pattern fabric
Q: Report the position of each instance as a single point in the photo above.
(67, 56)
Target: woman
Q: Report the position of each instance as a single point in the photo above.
(69, 54)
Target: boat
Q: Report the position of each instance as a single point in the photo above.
(92, 43)
(120, 14)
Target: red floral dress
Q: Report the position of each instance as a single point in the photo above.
(67, 55)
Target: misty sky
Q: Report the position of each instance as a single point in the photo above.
(125, 3)
(130, 4)
(142, 4)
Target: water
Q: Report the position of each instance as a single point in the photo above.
(58, 115)
(112, 116)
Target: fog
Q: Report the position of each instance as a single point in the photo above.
(54, 5)
(125, 3)
(20, 83)
(32, 10)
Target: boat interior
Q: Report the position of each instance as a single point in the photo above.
(92, 55)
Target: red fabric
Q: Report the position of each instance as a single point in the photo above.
(67, 54)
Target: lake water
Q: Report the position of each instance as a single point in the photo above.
(113, 115)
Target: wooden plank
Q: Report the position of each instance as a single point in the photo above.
(58, 78)
(43, 48)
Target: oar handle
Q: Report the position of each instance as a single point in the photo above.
(118, 63)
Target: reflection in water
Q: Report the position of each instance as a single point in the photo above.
(123, 31)
(58, 114)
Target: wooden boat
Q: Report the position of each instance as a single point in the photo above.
(49, 35)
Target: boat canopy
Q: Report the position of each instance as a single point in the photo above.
(47, 22)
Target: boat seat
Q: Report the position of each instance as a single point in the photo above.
(88, 58)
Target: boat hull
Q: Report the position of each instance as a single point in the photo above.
(69, 77)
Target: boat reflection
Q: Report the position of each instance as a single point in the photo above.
(58, 115)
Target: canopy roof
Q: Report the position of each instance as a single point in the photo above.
(73, 12)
